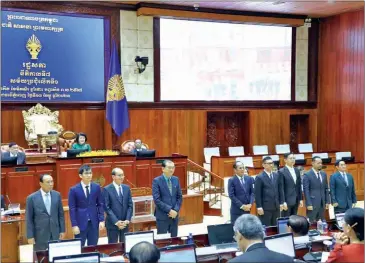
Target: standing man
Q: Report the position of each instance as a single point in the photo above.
(342, 189)
(315, 189)
(44, 215)
(14, 152)
(118, 207)
(167, 196)
(85, 202)
(240, 191)
(292, 186)
(268, 194)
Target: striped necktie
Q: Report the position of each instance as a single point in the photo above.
(169, 185)
(47, 203)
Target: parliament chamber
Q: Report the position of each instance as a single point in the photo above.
(189, 91)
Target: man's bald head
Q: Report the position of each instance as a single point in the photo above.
(118, 175)
(144, 252)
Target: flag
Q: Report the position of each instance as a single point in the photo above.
(116, 101)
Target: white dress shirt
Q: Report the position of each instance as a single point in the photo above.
(13, 155)
(84, 188)
(292, 172)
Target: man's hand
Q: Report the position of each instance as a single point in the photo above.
(341, 238)
(260, 211)
(335, 204)
(285, 207)
(310, 207)
(281, 207)
(245, 208)
(62, 235)
(76, 230)
(31, 241)
(353, 205)
(327, 206)
(172, 213)
(301, 203)
(101, 225)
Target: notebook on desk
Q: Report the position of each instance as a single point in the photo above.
(221, 236)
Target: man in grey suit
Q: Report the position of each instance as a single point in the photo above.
(342, 189)
(14, 152)
(45, 218)
(118, 207)
(315, 189)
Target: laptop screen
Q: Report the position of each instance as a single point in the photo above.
(220, 234)
(282, 225)
(86, 257)
(183, 254)
(340, 219)
(136, 237)
(63, 248)
(281, 243)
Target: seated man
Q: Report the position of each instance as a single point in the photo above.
(299, 226)
(144, 252)
(137, 147)
(14, 152)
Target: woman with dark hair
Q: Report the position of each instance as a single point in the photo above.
(350, 244)
(80, 142)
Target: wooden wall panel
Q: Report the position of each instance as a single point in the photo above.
(341, 84)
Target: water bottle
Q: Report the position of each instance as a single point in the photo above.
(319, 226)
(325, 227)
(190, 239)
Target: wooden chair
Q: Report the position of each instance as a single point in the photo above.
(128, 146)
(65, 141)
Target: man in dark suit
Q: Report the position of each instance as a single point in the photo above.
(14, 152)
(249, 235)
(167, 196)
(137, 147)
(342, 189)
(3, 202)
(268, 194)
(44, 215)
(240, 191)
(118, 207)
(315, 189)
(86, 205)
(292, 186)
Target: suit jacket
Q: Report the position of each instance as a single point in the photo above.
(268, 194)
(259, 253)
(20, 157)
(40, 224)
(341, 193)
(292, 190)
(351, 253)
(134, 151)
(315, 193)
(114, 208)
(164, 201)
(80, 208)
(3, 202)
(240, 194)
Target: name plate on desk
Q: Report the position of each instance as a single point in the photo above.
(21, 169)
(97, 160)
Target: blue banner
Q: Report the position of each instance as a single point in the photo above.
(52, 58)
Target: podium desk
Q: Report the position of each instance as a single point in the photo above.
(10, 235)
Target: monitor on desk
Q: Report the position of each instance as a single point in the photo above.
(9, 160)
(133, 238)
(281, 243)
(282, 224)
(183, 254)
(58, 248)
(146, 154)
(85, 257)
(340, 220)
(74, 152)
(220, 234)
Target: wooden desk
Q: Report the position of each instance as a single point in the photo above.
(10, 230)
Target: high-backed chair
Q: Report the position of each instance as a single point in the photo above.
(305, 147)
(320, 155)
(260, 149)
(339, 155)
(5, 148)
(299, 156)
(247, 161)
(40, 121)
(128, 145)
(282, 148)
(208, 153)
(65, 141)
(236, 151)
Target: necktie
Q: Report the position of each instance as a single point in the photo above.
(345, 178)
(319, 177)
(120, 194)
(87, 193)
(169, 185)
(242, 181)
(48, 204)
(272, 177)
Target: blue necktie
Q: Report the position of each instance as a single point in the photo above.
(120, 194)
(169, 185)
(48, 204)
(345, 178)
(242, 181)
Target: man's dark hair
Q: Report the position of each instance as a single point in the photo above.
(144, 252)
(78, 137)
(354, 217)
(12, 144)
(164, 163)
(42, 176)
(236, 164)
(84, 168)
(299, 224)
(337, 163)
(315, 157)
(286, 155)
(267, 158)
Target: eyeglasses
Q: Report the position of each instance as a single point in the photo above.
(170, 167)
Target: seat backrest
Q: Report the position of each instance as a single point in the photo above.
(65, 141)
(320, 155)
(209, 152)
(260, 149)
(236, 151)
(299, 156)
(274, 157)
(339, 155)
(305, 147)
(128, 145)
(282, 148)
(247, 161)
